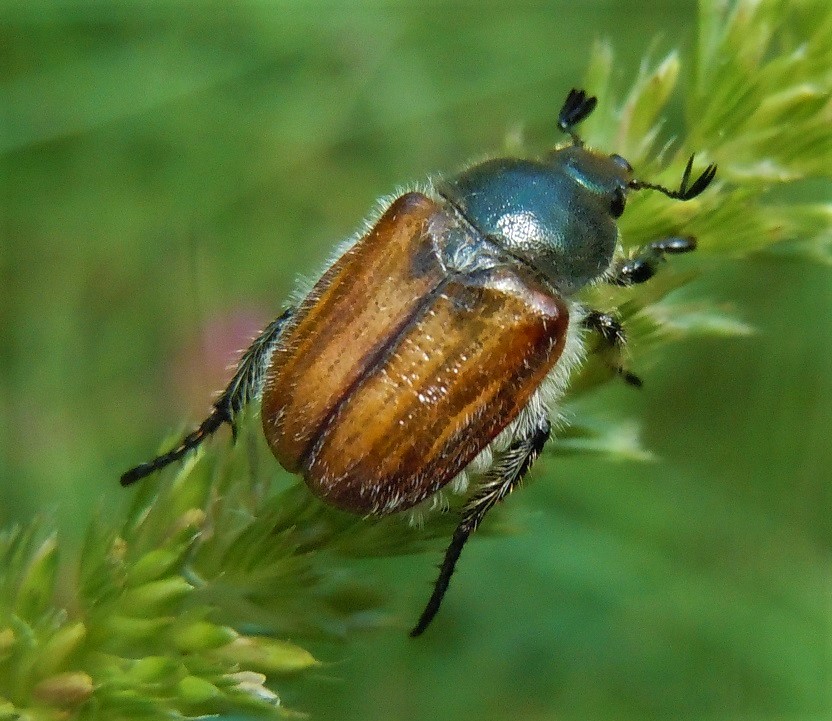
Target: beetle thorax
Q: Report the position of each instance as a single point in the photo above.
(554, 214)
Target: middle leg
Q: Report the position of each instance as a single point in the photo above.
(633, 271)
(613, 339)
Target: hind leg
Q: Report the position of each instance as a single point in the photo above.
(245, 386)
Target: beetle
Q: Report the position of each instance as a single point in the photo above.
(434, 349)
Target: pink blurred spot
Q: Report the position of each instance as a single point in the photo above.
(205, 363)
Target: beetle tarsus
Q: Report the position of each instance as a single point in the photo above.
(188, 443)
(501, 480)
(446, 570)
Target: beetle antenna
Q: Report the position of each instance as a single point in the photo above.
(685, 192)
(576, 107)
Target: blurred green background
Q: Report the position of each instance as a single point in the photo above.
(169, 169)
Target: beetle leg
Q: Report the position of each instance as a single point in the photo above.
(645, 263)
(245, 386)
(632, 271)
(613, 338)
(501, 480)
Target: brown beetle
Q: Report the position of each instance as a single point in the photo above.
(436, 346)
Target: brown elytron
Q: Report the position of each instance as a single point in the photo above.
(395, 372)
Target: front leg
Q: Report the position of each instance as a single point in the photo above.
(245, 386)
(645, 263)
(501, 480)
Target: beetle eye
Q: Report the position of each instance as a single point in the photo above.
(621, 163)
(619, 200)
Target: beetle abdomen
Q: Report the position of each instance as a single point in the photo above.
(379, 426)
